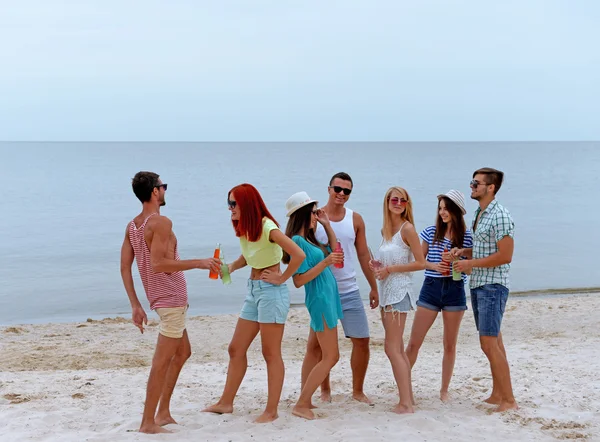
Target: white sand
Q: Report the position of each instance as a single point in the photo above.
(86, 382)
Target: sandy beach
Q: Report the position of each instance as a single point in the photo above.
(86, 382)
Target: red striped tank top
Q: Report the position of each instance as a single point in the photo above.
(162, 289)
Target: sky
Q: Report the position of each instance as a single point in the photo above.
(273, 70)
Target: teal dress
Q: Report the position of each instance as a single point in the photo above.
(322, 298)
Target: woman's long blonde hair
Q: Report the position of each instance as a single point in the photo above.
(387, 231)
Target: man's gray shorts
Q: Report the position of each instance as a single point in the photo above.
(354, 323)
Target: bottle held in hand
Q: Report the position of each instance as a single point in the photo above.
(225, 276)
(338, 249)
(212, 274)
(447, 272)
(456, 275)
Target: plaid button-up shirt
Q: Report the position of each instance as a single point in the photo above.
(494, 224)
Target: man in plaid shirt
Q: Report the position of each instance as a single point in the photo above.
(489, 261)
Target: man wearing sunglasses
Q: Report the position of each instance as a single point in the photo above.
(349, 229)
(149, 239)
(489, 260)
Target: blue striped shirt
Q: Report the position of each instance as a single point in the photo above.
(436, 249)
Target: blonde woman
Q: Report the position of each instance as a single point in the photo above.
(400, 254)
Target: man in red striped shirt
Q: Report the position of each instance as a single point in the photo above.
(149, 238)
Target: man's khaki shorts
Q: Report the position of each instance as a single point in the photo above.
(172, 321)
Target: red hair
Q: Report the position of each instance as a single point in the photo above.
(252, 211)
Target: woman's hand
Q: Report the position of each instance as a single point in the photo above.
(334, 258)
(322, 217)
(381, 272)
(455, 253)
(271, 277)
(441, 267)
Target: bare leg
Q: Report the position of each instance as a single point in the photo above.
(311, 358)
(165, 350)
(271, 336)
(329, 346)
(500, 371)
(184, 351)
(424, 319)
(359, 362)
(393, 323)
(452, 322)
(245, 332)
(496, 397)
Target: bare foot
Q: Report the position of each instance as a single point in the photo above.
(266, 418)
(164, 420)
(494, 400)
(444, 396)
(219, 409)
(326, 396)
(312, 406)
(505, 406)
(403, 409)
(153, 429)
(306, 413)
(361, 397)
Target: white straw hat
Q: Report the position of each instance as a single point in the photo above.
(457, 198)
(297, 201)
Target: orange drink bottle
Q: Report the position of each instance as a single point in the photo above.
(217, 255)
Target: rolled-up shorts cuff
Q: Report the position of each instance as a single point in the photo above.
(172, 321)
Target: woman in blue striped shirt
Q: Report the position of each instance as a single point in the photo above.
(440, 292)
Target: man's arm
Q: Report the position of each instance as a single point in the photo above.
(162, 227)
(138, 315)
(504, 255)
(362, 253)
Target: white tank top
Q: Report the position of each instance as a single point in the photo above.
(344, 231)
(398, 285)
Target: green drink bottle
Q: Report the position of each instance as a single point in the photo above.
(456, 275)
(225, 276)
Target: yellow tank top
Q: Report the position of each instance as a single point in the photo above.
(262, 253)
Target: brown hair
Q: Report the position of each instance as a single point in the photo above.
(457, 221)
(143, 184)
(342, 176)
(492, 176)
(300, 221)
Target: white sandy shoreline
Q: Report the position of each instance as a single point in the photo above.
(86, 381)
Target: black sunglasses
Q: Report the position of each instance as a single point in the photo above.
(231, 204)
(164, 186)
(338, 189)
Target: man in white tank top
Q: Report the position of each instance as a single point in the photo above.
(349, 229)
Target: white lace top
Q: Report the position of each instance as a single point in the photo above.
(397, 285)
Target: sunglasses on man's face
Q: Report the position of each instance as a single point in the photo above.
(398, 201)
(338, 189)
(475, 184)
(231, 204)
(164, 186)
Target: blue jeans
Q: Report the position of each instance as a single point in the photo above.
(488, 302)
(266, 303)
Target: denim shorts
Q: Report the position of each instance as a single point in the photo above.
(488, 303)
(354, 322)
(439, 294)
(403, 306)
(266, 303)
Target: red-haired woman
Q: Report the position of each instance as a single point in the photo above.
(267, 302)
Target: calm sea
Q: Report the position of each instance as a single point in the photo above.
(66, 207)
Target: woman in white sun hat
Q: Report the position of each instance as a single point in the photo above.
(440, 291)
(322, 298)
